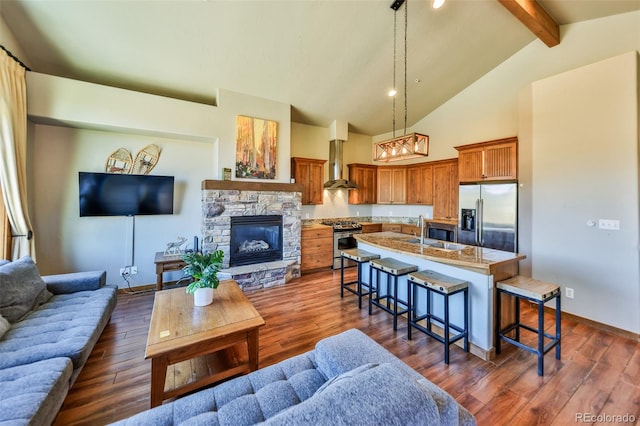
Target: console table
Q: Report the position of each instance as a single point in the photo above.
(164, 263)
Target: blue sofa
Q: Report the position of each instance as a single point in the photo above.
(347, 379)
(48, 327)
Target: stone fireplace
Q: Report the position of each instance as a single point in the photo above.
(227, 201)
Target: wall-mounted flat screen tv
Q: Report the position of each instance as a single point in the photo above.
(105, 194)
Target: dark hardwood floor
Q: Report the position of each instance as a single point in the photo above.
(599, 373)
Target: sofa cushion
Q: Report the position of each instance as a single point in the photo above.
(4, 326)
(68, 325)
(75, 281)
(32, 394)
(22, 289)
(381, 392)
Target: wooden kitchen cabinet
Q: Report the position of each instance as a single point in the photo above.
(410, 229)
(488, 161)
(366, 177)
(420, 184)
(310, 173)
(371, 227)
(391, 227)
(445, 189)
(316, 247)
(392, 185)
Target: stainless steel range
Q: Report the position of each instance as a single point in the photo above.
(343, 239)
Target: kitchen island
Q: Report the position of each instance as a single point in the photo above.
(481, 267)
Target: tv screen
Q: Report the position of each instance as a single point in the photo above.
(105, 194)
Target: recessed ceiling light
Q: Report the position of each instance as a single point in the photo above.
(392, 92)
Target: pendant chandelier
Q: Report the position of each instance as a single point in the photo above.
(412, 145)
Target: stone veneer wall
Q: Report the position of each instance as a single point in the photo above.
(223, 199)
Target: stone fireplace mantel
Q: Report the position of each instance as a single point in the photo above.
(222, 200)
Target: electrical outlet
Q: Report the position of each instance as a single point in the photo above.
(568, 292)
(129, 270)
(609, 224)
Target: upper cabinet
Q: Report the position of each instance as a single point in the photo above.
(420, 184)
(488, 161)
(310, 173)
(391, 185)
(445, 189)
(366, 177)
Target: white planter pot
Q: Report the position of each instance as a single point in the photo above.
(203, 296)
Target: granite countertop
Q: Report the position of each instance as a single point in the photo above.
(315, 225)
(447, 221)
(469, 256)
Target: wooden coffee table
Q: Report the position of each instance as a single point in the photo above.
(198, 346)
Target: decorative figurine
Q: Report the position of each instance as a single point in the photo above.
(175, 247)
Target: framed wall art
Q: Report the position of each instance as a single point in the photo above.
(256, 148)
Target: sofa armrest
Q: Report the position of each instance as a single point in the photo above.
(76, 281)
(343, 352)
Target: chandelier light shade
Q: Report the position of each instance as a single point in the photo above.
(413, 145)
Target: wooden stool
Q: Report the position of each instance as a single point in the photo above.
(390, 268)
(360, 257)
(538, 292)
(445, 286)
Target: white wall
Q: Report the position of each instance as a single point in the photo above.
(585, 168)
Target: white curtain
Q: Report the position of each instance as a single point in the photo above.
(13, 154)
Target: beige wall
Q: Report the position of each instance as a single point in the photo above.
(9, 41)
(585, 168)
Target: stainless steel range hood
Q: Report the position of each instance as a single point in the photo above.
(335, 168)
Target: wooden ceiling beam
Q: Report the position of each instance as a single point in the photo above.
(535, 18)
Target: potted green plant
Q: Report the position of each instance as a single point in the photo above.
(203, 268)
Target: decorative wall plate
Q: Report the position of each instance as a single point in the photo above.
(146, 160)
(119, 162)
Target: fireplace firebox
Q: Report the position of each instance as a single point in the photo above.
(255, 239)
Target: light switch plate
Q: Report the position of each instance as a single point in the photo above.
(609, 224)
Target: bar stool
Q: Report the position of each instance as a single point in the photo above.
(391, 268)
(446, 286)
(360, 257)
(538, 292)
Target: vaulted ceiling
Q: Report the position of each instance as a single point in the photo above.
(329, 59)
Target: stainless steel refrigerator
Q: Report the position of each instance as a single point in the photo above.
(489, 215)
